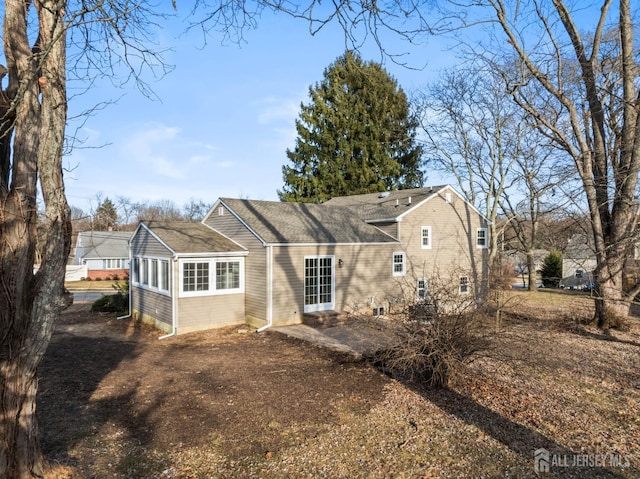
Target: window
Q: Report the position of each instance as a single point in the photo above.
(164, 275)
(426, 237)
(154, 273)
(212, 276)
(144, 273)
(136, 270)
(112, 263)
(195, 277)
(481, 238)
(464, 285)
(399, 264)
(228, 275)
(422, 289)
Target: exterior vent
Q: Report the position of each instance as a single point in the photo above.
(379, 311)
(384, 194)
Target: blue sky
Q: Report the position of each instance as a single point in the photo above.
(224, 118)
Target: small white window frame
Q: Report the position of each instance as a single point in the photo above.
(424, 289)
(403, 255)
(464, 285)
(429, 238)
(482, 242)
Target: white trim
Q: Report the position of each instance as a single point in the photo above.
(486, 238)
(404, 264)
(434, 194)
(137, 281)
(468, 284)
(233, 213)
(429, 236)
(396, 242)
(212, 287)
(426, 289)
(310, 308)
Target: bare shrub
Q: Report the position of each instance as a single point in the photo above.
(438, 335)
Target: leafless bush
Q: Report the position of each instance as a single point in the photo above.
(439, 334)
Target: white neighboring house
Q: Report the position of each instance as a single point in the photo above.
(104, 254)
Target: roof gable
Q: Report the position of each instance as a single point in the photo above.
(184, 237)
(394, 205)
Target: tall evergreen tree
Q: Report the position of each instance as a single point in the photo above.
(357, 135)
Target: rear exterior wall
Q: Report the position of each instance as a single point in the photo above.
(364, 280)
(453, 252)
(150, 306)
(255, 262)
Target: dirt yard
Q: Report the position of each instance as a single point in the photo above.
(116, 402)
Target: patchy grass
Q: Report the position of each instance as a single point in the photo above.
(116, 402)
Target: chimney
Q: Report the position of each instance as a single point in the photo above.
(409, 201)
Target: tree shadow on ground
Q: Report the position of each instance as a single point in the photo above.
(69, 376)
(519, 438)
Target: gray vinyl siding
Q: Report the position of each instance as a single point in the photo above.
(453, 240)
(144, 244)
(364, 280)
(151, 305)
(206, 312)
(255, 265)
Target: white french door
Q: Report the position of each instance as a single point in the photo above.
(319, 283)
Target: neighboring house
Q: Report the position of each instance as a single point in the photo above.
(287, 260)
(578, 263)
(104, 254)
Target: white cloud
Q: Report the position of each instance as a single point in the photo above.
(272, 110)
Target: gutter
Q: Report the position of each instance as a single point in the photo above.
(269, 290)
(174, 301)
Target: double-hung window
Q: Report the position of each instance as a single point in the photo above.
(422, 289)
(154, 273)
(482, 241)
(399, 263)
(425, 237)
(463, 287)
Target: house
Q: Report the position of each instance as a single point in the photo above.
(186, 274)
(283, 261)
(104, 254)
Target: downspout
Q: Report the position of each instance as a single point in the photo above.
(269, 290)
(174, 302)
(128, 315)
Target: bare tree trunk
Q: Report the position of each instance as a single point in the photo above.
(30, 303)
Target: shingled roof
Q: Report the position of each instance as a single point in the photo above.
(385, 205)
(304, 223)
(103, 244)
(187, 237)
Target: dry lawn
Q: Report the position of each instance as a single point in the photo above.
(116, 402)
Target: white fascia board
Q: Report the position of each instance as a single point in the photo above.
(335, 244)
(437, 193)
(226, 254)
